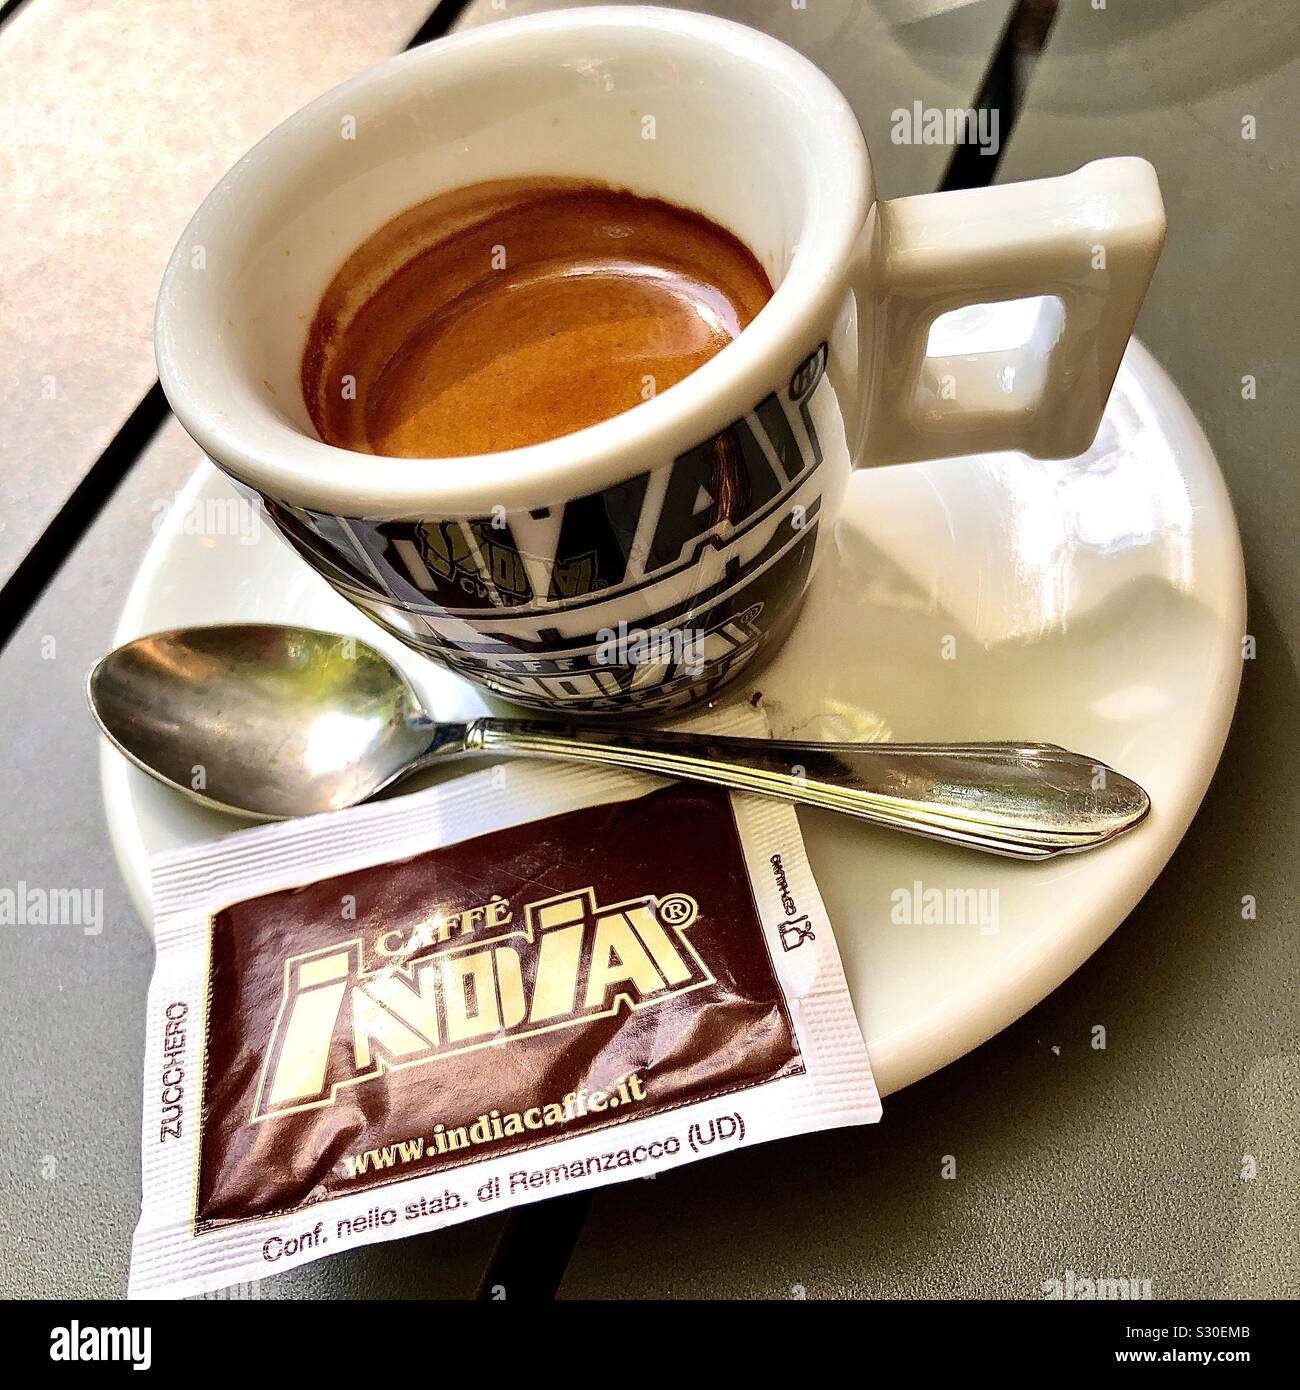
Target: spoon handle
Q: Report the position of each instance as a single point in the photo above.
(1025, 800)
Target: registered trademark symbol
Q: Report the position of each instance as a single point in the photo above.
(678, 910)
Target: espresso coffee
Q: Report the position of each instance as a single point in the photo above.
(517, 311)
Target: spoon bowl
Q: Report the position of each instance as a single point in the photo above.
(263, 720)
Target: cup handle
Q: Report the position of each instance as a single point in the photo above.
(1091, 239)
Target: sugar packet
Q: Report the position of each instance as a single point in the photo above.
(530, 980)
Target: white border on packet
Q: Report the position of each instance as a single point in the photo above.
(190, 884)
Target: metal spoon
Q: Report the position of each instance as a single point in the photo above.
(273, 722)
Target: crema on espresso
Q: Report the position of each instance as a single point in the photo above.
(517, 311)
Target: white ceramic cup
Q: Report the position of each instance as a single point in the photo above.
(642, 562)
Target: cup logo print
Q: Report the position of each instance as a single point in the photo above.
(717, 545)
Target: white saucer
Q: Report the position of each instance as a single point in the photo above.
(1098, 603)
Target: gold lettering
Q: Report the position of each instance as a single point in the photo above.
(411, 1010)
(314, 992)
(510, 987)
(666, 956)
(563, 912)
(619, 956)
(463, 977)
(556, 985)
(394, 1017)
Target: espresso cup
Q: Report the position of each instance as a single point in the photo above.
(640, 564)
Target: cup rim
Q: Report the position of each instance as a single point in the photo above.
(274, 457)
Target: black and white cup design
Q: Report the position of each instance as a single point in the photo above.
(710, 554)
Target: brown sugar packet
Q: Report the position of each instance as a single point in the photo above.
(391, 1019)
